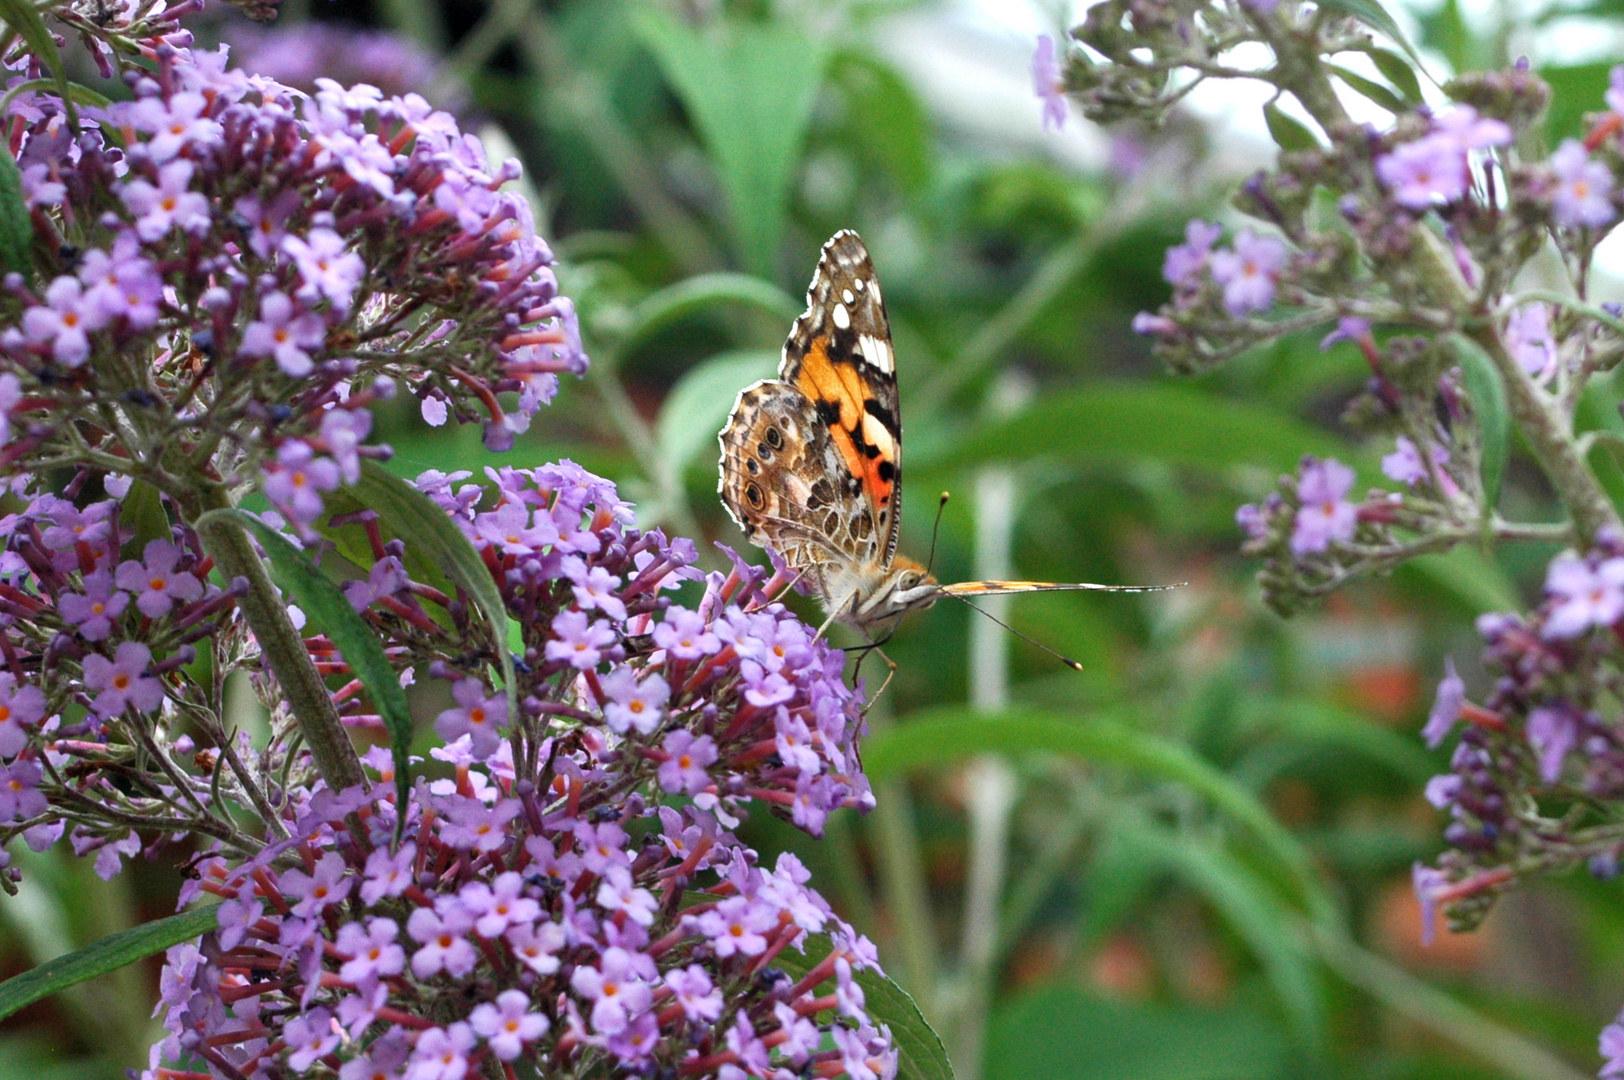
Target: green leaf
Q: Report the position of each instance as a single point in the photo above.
(1488, 396)
(23, 17)
(1396, 70)
(884, 119)
(1288, 132)
(142, 509)
(1129, 422)
(1255, 914)
(1473, 579)
(418, 520)
(1062, 1032)
(920, 1054)
(699, 404)
(943, 736)
(101, 957)
(16, 229)
(749, 89)
(1575, 90)
(1305, 720)
(80, 93)
(1385, 96)
(1373, 15)
(1117, 877)
(1445, 30)
(326, 607)
(692, 295)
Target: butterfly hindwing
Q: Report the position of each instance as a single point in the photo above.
(786, 484)
(839, 356)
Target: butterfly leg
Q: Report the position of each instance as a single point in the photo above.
(862, 654)
(890, 674)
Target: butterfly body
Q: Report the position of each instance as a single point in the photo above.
(812, 460)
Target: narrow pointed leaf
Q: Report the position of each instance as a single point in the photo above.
(23, 17)
(1385, 96)
(101, 957)
(327, 609)
(1247, 905)
(16, 230)
(1396, 70)
(1373, 15)
(943, 736)
(692, 295)
(418, 520)
(1288, 132)
(1488, 396)
(749, 89)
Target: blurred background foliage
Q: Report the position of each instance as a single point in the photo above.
(1189, 862)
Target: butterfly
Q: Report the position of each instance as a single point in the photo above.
(812, 460)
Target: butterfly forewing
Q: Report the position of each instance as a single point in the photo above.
(839, 355)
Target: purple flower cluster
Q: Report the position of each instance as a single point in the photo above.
(288, 260)
(572, 891)
(1215, 288)
(96, 623)
(1436, 168)
(1546, 735)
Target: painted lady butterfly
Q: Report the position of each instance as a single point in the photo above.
(812, 460)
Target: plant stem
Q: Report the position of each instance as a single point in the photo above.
(280, 644)
(1549, 434)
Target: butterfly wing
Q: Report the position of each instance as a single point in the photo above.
(839, 356)
(787, 486)
(1007, 588)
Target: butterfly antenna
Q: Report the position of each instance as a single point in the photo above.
(1068, 661)
(934, 529)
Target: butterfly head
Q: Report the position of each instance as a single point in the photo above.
(908, 586)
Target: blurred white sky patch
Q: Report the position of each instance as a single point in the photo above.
(971, 62)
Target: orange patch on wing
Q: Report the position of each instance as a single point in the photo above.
(820, 379)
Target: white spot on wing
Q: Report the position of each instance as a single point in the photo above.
(875, 434)
(860, 284)
(848, 296)
(842, 317)
(876, 292)
(878, 353)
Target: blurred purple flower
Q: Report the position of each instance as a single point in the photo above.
(1528, 339)
(1585, 595)
(154, 581)
(1325, 514)
(1046, 83)
(1427, 883)
(1184, 263)
(1552, 732)
(1248, 273)
(1445, 707)
(1584, 188)
(1405, 465)
(123, 681)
